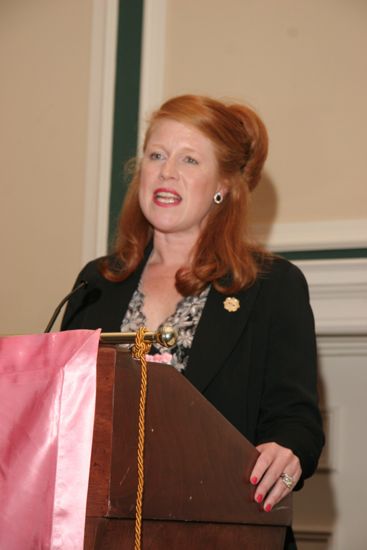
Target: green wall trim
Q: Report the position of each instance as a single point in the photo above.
(342, 253)
(126, 111)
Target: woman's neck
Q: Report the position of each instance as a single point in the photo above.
(171, 250)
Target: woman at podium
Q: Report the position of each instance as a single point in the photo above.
(182, 256)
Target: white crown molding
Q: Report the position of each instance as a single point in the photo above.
(153, 60)
(338, 291)
(100, 128)
(323, 235)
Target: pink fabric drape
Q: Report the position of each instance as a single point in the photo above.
(47, 401)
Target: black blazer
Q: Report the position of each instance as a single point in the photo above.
(256, 365)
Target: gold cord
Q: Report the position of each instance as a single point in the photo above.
(139, 350)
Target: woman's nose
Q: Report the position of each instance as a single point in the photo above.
(169, 169)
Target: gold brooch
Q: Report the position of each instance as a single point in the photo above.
(231, 304)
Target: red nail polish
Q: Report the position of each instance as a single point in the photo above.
(259, 498)
(254, 480)
(268, 508)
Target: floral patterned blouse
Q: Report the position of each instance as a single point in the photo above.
(184, 320)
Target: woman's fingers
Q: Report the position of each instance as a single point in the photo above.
(274, 461)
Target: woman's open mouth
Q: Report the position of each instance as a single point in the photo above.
(165, 197)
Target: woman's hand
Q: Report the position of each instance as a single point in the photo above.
(274, 461)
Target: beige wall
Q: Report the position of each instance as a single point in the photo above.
(44, 72)
(302, 64)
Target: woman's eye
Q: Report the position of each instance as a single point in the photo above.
(191, 160)
(155, 156)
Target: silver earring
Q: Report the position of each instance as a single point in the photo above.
(218, 197)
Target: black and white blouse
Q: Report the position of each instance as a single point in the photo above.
(184, 320)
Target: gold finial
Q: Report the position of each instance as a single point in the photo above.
(166, 336)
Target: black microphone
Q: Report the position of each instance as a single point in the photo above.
(82, 284)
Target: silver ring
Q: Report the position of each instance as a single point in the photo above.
(287, 480)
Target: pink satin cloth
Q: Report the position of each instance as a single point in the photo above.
(47, 402)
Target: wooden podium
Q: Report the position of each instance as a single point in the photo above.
(197, 466)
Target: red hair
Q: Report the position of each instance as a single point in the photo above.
(223, 255)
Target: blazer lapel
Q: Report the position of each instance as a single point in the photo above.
(217, 333)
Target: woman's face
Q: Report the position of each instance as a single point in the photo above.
(179, 177)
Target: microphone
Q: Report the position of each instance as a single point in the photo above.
(82, 284)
